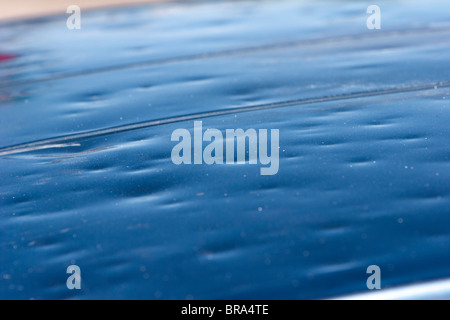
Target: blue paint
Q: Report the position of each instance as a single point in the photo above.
(362, 181)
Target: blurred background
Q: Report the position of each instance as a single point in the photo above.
(31, 8)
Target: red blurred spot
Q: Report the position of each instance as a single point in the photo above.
(4, 57)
